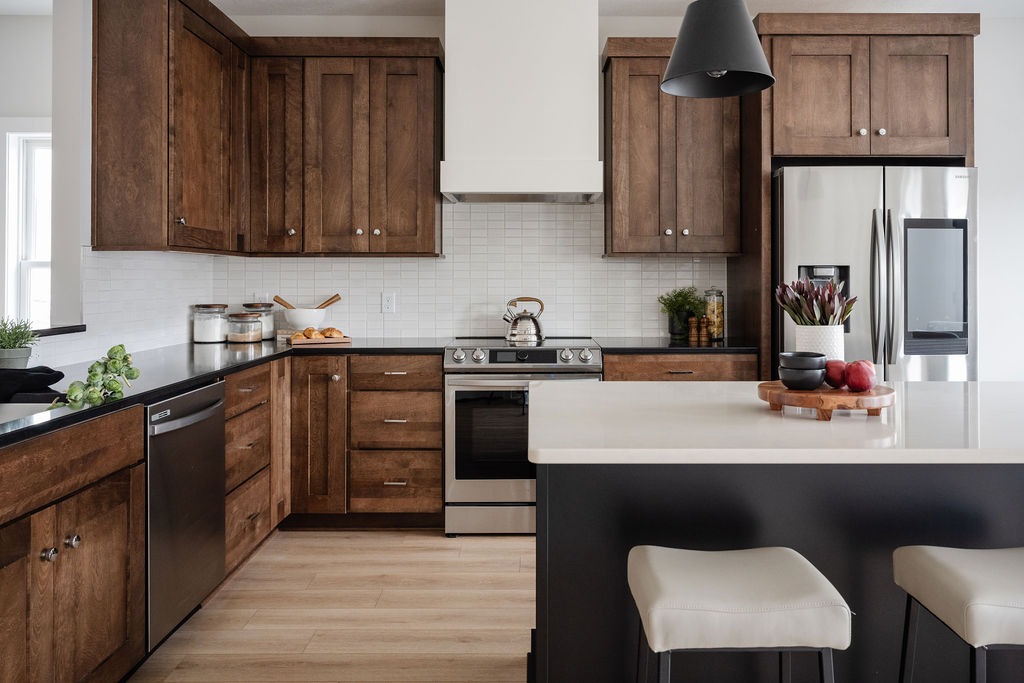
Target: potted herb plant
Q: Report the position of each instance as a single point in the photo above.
(680, 304)
(16, 340)
(819, 312)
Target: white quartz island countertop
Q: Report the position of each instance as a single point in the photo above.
(725, 422)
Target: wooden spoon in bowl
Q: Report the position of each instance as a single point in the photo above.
(281, 301)
(333, 300)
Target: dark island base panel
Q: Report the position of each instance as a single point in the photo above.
(362, 520)
(846, 519)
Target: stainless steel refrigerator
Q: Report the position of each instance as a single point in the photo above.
(903, 240)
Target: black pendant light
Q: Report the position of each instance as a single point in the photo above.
(717, 53)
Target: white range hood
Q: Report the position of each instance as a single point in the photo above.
(521, 101)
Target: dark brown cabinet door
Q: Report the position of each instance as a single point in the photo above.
(919, 87)
(821, 103)
(403, 197)
(99, 585)
(26, 602)
(672, 166)
(201, 71)
(275, 223)
(337, 155)
(319, 425)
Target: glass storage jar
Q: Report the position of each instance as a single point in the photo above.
(209, 323)
(266, 314)
(716, 313)
(244, 328)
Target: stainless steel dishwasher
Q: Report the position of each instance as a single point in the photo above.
(185, 546)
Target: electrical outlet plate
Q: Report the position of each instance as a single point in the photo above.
(388, 302)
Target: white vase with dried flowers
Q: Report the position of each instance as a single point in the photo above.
(819, 312)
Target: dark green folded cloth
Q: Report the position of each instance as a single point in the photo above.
(14, 381)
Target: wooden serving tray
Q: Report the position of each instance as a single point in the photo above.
(325, 342)
(826, 399)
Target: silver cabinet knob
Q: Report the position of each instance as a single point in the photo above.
(565, 355)
(180, 220)
(668, 231)
(882, 131)
(479, 355)
(359, 231)
(335, 378)
(862, 132)
(73, 541)
(48, 555)
(686, 231)
(459, 356)
(376, 231)
(290, 231)
(586, 355)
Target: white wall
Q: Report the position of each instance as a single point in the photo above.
(25, 65)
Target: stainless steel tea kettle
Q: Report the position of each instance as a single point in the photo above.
(523, 326)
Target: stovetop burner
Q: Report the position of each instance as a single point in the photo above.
(497, 354)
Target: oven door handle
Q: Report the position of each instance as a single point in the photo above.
(513, 382)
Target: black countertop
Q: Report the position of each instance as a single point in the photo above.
(613, 345)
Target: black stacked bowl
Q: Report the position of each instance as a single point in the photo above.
(802, 370)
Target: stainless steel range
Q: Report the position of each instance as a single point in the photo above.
(490, 484)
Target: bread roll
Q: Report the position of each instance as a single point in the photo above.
(309, 332)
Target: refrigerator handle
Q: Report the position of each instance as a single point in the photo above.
(889, 288)
(875, 292)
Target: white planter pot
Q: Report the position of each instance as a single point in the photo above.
(826, 339)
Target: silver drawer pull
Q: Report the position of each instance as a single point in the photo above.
(680, 372)
(391, 421)
(246, 390)
(398, 482)
(395, 372)
(247, 447)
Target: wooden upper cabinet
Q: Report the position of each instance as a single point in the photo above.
(275, 149)
(852, 85)
(371, 147)
(672, 163)
(201, 70)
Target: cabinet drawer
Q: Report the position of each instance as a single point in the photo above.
(246, 445)
(395, 481)
(672, 367)
(246, 389)
(398, 419)
(395, 373)
(246, 518)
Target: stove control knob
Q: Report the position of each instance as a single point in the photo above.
(459, 356)
(586, 355)
(522, 356)
(565, 355)
(479, 355)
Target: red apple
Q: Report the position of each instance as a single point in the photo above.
(860, 375)
(835, 373)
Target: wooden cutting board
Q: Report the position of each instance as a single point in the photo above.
(825, 399)
(326, 342)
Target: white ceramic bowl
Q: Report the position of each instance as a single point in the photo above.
(301, 318)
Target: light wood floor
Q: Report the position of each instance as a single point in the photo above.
(363, 606)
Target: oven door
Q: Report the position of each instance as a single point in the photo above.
(486, 428)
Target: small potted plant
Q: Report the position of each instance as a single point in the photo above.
(819, 312)
(680, 304)
(16, 340)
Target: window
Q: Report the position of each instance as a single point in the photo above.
(27, 262)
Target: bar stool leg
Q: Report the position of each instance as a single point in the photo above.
(979, 668)
(665, 667)
(909, 651)
(785, 666)
(641, 653)
(825, 668)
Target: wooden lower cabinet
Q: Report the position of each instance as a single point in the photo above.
(247, 517)
(396, 419)
(319, 424)
(72, 585)
(680, 367)
(247, 445)
(395, 481)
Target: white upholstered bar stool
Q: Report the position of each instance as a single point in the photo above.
(755, 599)
(977, 594)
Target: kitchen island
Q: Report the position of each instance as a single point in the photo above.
(707, 465)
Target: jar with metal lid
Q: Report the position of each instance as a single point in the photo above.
(209, 323)
(244, 328)
(715, 312)
(266, 314)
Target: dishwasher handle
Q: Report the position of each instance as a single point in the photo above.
(188, 420)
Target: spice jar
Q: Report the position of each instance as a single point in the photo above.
(266, 314)
(244, 328)
(716, 313)
(208, 323)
